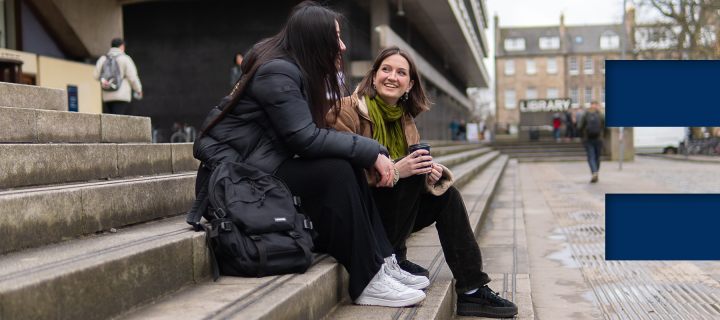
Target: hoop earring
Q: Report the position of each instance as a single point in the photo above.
(374, 88)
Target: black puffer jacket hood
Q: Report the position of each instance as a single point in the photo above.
(272, 122)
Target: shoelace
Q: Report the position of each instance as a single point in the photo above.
(395, 266)
(389, 281)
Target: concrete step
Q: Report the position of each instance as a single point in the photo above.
(559, 159)
(40, 164)
(424, 249)
(546, 154)
(462, 157)
(37, 216)
(447, 143)
(539, 145)
(443, 151)
(532, 150)
(32, 97)
(308, 296)
(22, 125)
(103, 275)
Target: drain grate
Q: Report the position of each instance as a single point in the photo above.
(585, 215)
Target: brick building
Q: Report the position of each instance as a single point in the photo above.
(554, 62)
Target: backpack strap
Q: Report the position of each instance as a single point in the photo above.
(308, 255)
(199, 206)
(257, 239)
(209, 234)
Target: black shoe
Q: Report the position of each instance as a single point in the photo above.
(485, 303)
(414, 269)
(594, 178)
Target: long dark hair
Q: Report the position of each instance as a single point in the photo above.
(310, 38)
(417, 101)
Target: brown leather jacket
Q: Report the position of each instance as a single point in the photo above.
(354, 118)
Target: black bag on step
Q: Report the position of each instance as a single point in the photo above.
(257, 229)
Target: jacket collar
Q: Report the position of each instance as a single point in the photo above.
(362, 108)
(115, 52)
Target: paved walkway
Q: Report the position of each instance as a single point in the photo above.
(680, 157)
(547, 225)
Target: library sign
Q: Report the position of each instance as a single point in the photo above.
(540, 112)
(545, 105)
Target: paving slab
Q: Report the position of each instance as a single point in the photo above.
(182, 158)
(63, 126)
(144, 159)
(123, 129)
(18, 125)
(32, 97)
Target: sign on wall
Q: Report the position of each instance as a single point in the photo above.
(72, 98)
(545, 105)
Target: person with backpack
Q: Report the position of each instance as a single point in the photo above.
(273, 123)
(118, 78)
(592, 126)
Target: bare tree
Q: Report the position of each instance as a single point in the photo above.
(483, 102)
(688, 30)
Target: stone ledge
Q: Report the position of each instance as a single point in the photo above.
(122, 129)
(32, 97)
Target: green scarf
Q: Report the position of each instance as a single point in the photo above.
(392, 136)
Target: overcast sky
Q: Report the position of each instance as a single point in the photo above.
(527, 13)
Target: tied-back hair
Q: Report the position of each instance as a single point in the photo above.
(417, 101)
(310, 39)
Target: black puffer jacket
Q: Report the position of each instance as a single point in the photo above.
(272, 122)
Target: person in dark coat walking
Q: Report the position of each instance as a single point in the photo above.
(274, 120)
(592, 128)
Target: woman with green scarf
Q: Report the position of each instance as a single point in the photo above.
(383, 108)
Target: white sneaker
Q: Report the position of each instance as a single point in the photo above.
(408, 279)
(383, 290)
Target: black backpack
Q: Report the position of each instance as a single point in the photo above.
(256, 229)
(593, 126)
(110, 72)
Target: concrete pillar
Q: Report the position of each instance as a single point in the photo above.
(611, 144)
(379, 15)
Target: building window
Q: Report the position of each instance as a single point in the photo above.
(574, 96)
(602, 64)
(509, 67)
(574, 66)
(549, 43)
(530, 66)
(552, 93)
(531, 94)
(588, 65)
(578, 39)
(602, 96)
(552, 66)
(588, 96)
(510, 99)
(609, 40)
(514, 44)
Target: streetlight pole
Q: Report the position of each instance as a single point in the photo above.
(622, 57)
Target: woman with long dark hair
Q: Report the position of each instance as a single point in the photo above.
(274, 120)
(383, 108)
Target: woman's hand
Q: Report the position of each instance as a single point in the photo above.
(384, 167)
(435, 174)
(414, 163)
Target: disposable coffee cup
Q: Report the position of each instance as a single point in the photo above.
(425, 146)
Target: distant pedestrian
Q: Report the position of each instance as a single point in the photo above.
(235, 71)
(556, 126)
(454, 126)
(578, 114)
(569, 125)
(592, 126)
(118, 78)
(462, 130)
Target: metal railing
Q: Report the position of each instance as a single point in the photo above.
(184, 134)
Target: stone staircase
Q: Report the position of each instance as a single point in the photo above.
(543, 151)
(93, 221)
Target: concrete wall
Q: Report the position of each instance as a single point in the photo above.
(96, 22)
(57, 73)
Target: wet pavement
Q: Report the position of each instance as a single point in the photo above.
(548, 220)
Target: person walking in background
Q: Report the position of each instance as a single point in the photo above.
(462, 130)
(118, 78)
(591, 125)
(569, 124)
(454, 126)
(556, 126)
(235, 70)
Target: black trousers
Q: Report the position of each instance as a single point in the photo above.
(337, 198)
(115, 107)
(404, 209)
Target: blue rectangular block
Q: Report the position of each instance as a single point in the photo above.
(662, 227)
(662, 93)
